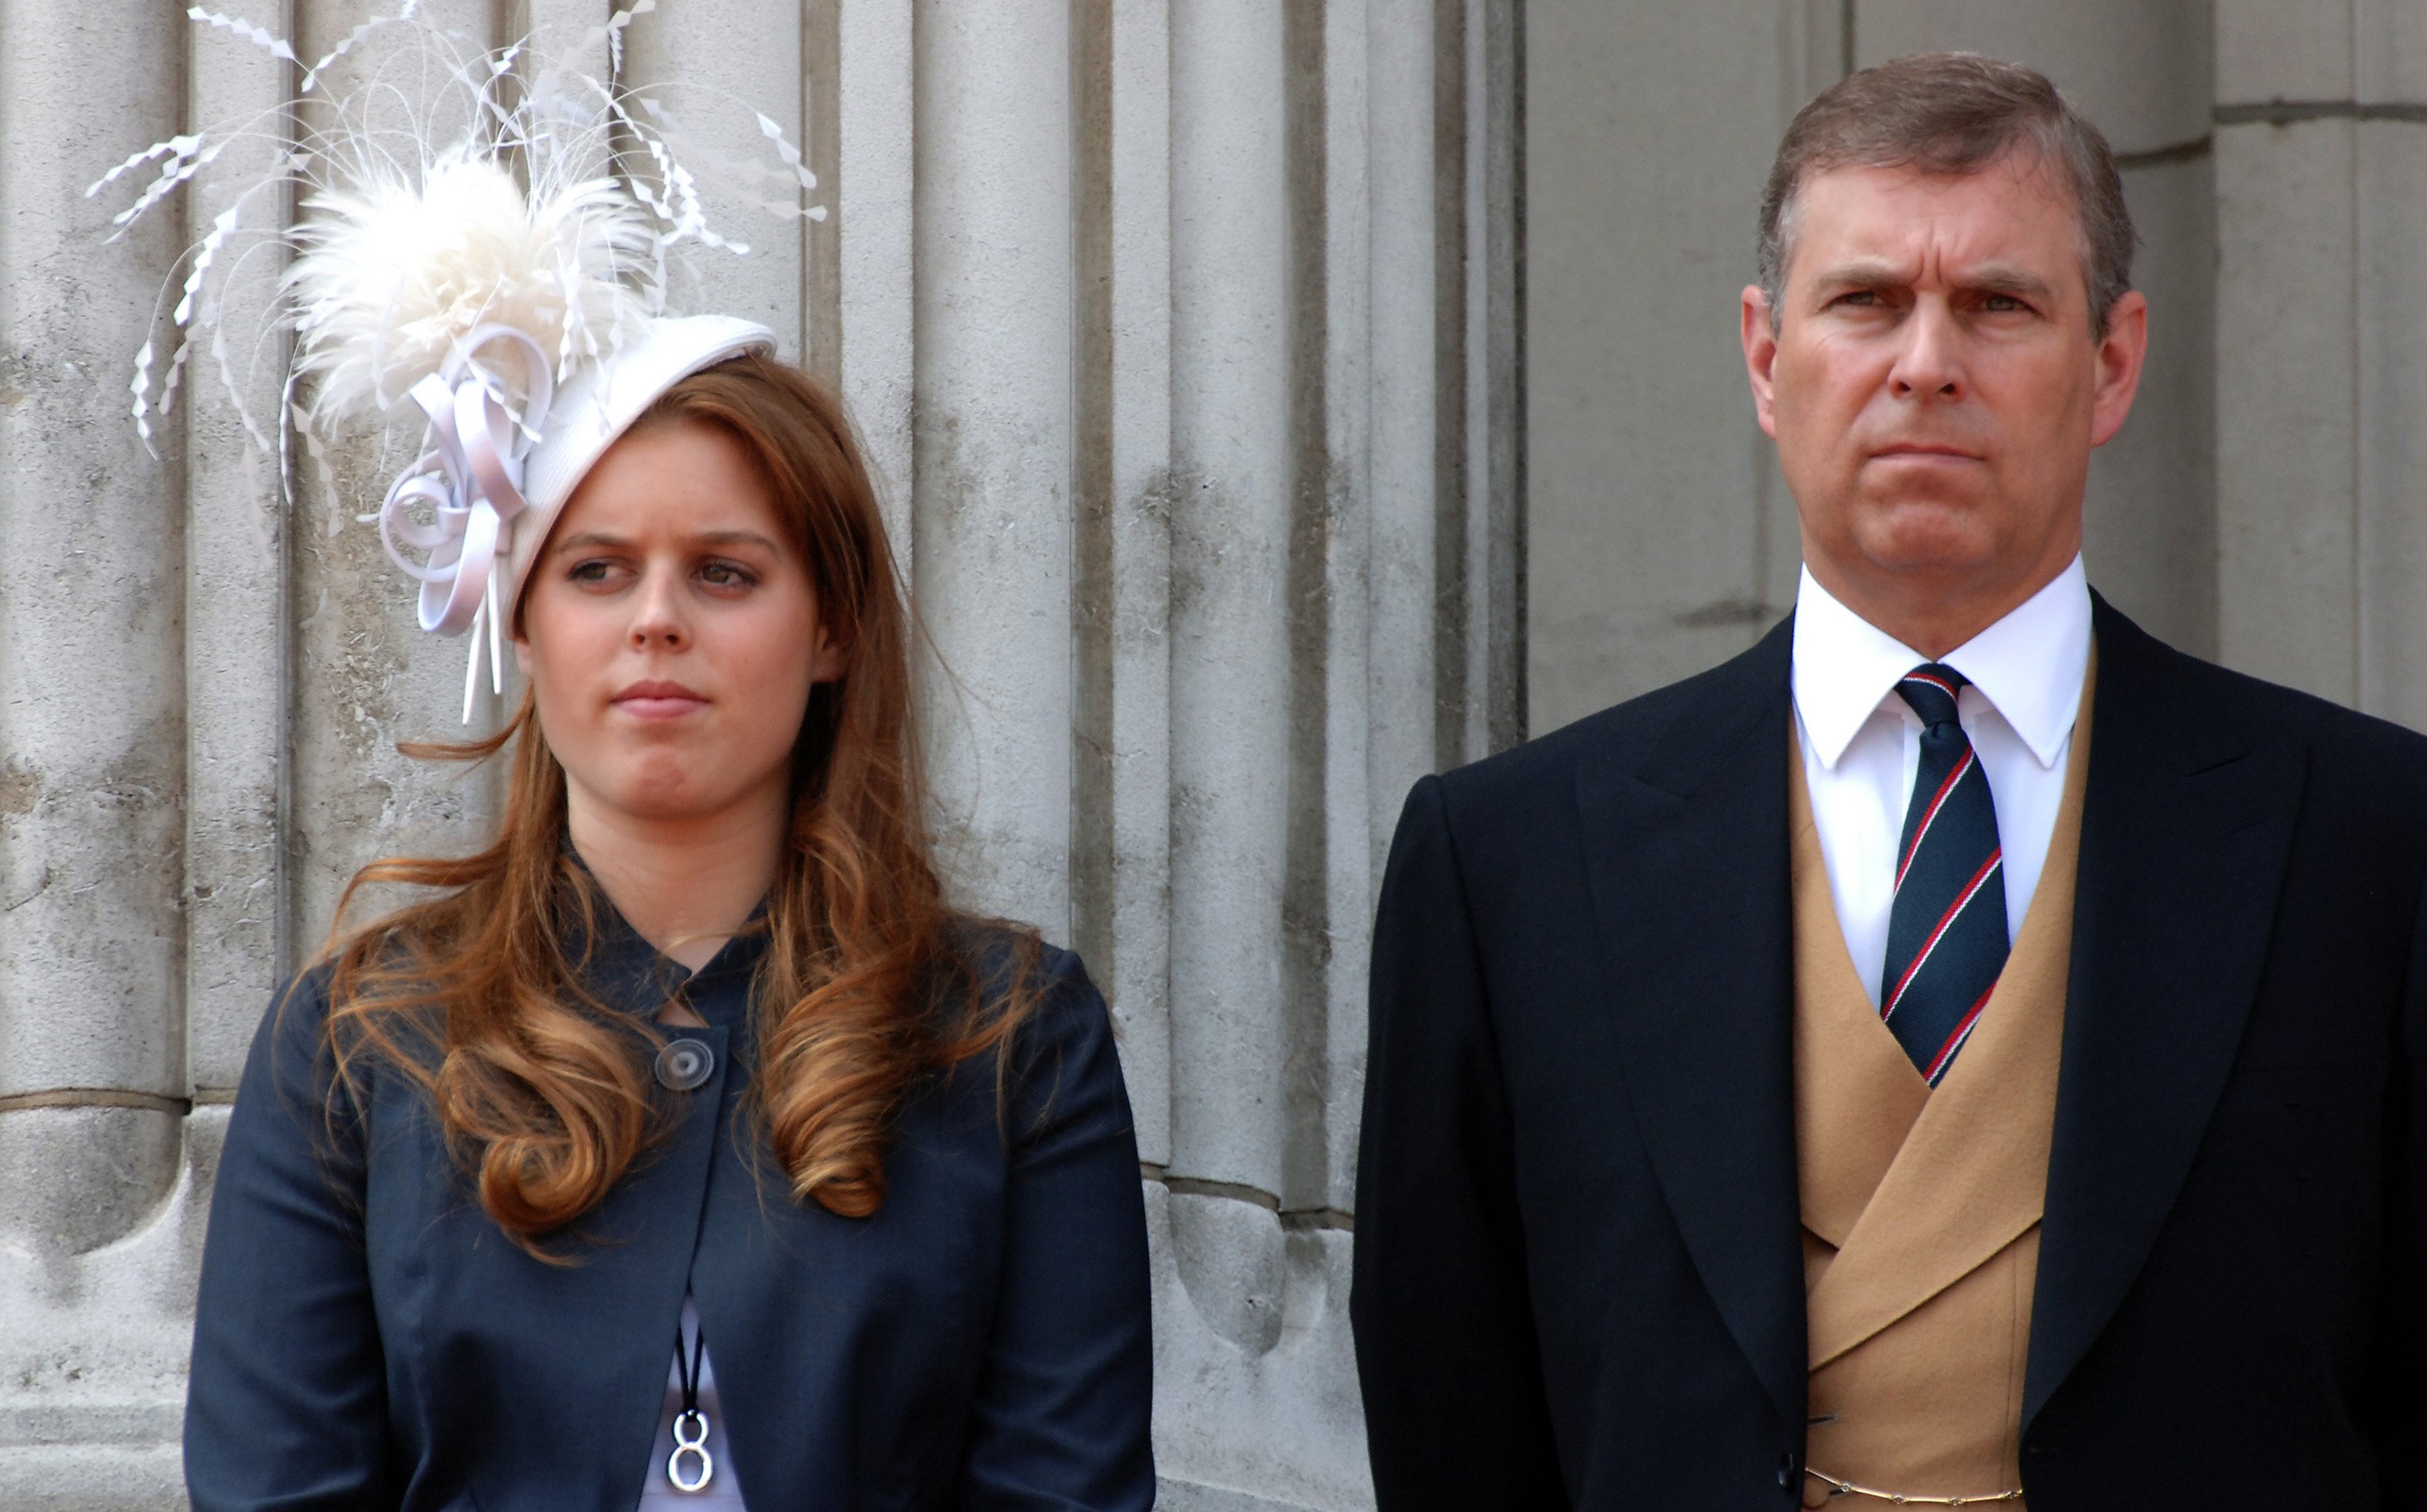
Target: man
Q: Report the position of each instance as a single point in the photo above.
(1958, 1048)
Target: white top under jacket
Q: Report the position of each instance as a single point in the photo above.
(723, 1492)
(1862, 744)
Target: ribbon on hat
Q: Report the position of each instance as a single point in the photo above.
(471, 479)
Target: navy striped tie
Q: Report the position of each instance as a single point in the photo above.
(1947, 929)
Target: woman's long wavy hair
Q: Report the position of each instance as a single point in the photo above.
(867, 984)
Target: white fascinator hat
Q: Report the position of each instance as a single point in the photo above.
(499, 290)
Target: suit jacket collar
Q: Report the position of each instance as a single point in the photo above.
(1687, 855)
(2185, 827)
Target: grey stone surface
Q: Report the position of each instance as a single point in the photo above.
(2287, 523)
(1659, 540)
(2267, 50)
(2140, 68)
(2391, 204)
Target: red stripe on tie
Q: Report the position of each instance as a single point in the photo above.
(1929, 816)
(1955, 1041)
(1943, 687)
(1940, 932)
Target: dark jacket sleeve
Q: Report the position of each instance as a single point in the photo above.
(1454, 1414)
(2402, 1383)
(1062, 1413)
(286, 1402)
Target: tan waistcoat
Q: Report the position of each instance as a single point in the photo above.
(1921, 1208)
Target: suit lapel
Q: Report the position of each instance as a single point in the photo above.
(2185, 830)
(1687, 855)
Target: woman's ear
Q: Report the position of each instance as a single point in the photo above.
(833, 657)
(522, 655)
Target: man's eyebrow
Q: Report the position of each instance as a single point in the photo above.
(2001, 277)
(1863, 274)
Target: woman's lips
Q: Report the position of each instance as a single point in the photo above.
(659, 700)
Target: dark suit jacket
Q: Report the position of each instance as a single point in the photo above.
(366, 1338)
(1578, 1275)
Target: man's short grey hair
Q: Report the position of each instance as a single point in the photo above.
(1952, 113)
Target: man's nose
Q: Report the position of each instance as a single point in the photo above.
(1929, 362)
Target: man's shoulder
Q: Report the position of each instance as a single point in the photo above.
(2260, 712)
(1622, 737)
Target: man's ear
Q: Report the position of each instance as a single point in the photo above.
(1760, 354)
(2121, 352)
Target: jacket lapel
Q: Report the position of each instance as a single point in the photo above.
(1687, 855)
(2185, 830)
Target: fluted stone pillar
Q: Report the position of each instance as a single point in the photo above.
(990, 494)
(2322, 385)
(93, 773)
(1181, 336)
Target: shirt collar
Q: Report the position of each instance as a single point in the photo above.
(2028, 665)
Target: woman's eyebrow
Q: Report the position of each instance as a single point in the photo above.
(583, 540)
(736, 538)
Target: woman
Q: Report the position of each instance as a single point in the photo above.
(682, 1145)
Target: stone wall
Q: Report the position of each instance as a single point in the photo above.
(2261, 506)
(1182, 335)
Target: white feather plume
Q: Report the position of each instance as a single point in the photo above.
(407, 245)
(394, 273)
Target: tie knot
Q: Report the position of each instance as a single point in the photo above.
(1929, 691)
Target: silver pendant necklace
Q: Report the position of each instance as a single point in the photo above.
(690, 1468)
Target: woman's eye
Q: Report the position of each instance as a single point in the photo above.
(726, 574)
(589, 572)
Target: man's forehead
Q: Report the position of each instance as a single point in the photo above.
(2012, 213)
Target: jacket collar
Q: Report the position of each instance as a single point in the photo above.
(630, 976)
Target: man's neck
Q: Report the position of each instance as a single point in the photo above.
(1934, 617)
(685, 886)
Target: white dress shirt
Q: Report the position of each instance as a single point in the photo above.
(1862, 743)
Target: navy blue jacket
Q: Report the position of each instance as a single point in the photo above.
(367, 1337)
(1579, 1280)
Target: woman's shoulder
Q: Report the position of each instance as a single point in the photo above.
(1020, 974)
(1052, 1036)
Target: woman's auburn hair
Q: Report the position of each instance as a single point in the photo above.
(867, 982)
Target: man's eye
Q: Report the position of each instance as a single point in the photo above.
(1860, 298)
(2001, 304)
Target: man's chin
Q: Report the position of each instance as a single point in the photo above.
(1930, 543)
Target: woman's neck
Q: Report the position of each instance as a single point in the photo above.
(685, 886)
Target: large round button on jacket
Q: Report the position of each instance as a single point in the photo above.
(684, 1063)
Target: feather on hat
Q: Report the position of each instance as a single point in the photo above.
(465, 285)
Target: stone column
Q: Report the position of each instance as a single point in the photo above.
(990, 490)
(2322, 385)
(93, 770)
